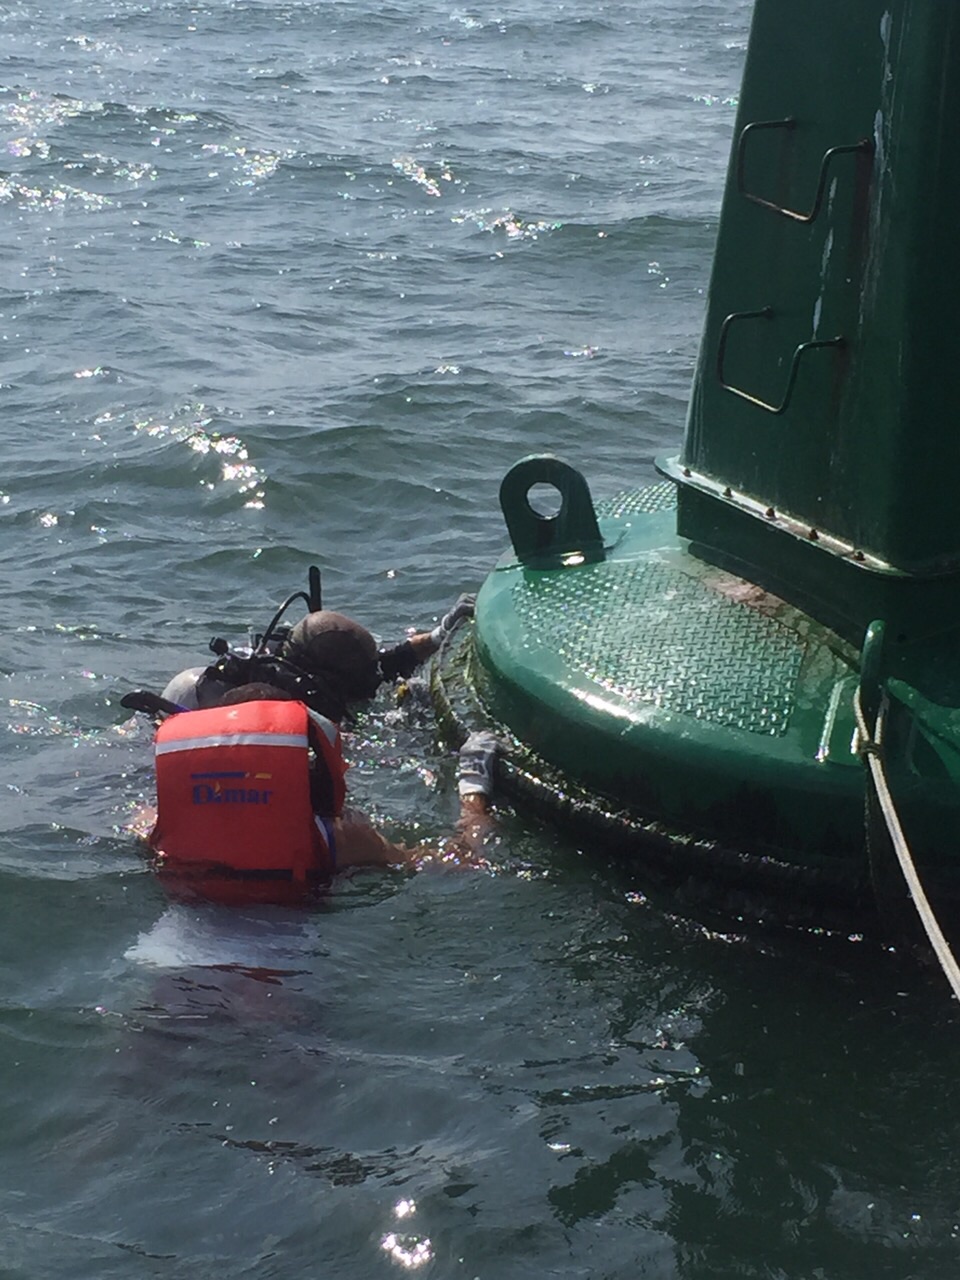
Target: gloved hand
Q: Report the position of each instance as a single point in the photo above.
(475, 766)
(463, 608)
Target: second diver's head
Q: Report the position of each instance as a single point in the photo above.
(337, 650)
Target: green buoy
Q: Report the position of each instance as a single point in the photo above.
(676, 668)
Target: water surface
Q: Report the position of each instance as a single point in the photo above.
(294, 283)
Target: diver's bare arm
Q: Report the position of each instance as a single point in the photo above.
(476, 821)
(360, 844)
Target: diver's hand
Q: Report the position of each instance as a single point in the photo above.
(464, 608)
(426, 643)
(475, 765)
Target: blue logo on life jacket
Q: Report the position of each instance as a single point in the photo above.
(212, 792)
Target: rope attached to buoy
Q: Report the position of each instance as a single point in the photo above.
(871, 749)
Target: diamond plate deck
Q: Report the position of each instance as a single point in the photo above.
(654, 635)
(635, 502)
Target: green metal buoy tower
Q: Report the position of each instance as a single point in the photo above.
(676, 667)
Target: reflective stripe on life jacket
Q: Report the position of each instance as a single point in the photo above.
(233, 790)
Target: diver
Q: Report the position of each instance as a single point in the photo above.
(326, 660)
(251, 800)
(251, 793)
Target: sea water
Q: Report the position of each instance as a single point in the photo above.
(294, 282)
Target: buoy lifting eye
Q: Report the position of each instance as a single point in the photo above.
(549, 513)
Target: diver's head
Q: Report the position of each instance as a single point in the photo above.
(338, 650)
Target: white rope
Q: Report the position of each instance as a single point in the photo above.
(872, 750)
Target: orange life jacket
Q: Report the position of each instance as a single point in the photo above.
(233, 793)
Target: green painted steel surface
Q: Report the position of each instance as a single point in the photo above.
(669, 684)
(845, 501)
(695, 666)
(661, 697)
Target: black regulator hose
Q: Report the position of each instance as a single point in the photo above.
(297, 595)
(312, 599)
